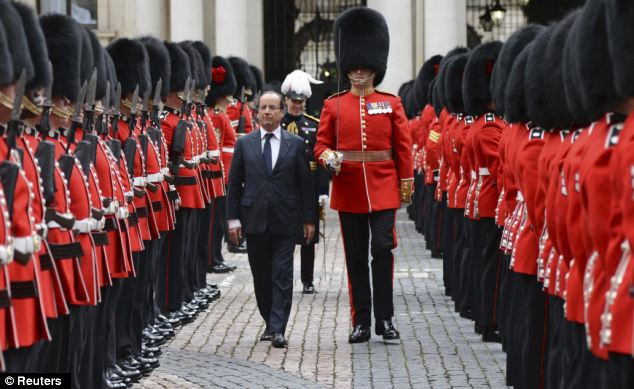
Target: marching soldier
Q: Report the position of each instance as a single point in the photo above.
(364, 141)
(296, 90)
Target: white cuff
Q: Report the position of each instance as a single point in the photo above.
(227, 150)
(138, 181)
(484, 171)
(25, 245)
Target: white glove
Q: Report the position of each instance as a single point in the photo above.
(323, 200)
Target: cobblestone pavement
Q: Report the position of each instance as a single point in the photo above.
(438, 349)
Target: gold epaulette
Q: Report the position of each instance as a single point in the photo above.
(337, 94)
(312, 117)
(385, 93)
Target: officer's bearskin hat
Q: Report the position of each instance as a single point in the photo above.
(620, 19)
(6, 65)
(362, 40)
(555, 93)
(439, 89)
(243, 74)
(511, 49)
(87, 65)
(476, 84)
(427, 72)
(259, 78)
(534, 79)
(515, 98)
(595, 77)
(195, 64)
(453, 83)
(160, 65)
(180, 67)
(16, 38)
(99, 62)
(63, 41)
(131, 65)
(37, 46)
(223, 81)
(205, 55)
(112, 77)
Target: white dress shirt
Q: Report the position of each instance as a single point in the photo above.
(275, 152)
(275, 143)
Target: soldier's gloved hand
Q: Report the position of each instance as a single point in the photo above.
(406, 190)
(332, 161)
(323, 200)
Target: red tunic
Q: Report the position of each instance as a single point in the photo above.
(487, 131)
(363, 187)
(233, 112)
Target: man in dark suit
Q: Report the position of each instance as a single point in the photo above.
(270, 192)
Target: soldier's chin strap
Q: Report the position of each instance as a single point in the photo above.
(361, 80)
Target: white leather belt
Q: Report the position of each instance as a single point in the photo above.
(191, 161)
(473, 175)
(484, 171)
(123, 213)
(25, 245)
(227, 149)
(520, 196)
(156, 177)
(6, 254)
(213, 153)
(112, 208)
(138, 181)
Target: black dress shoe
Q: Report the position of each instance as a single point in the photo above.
(437, 254)
(114, 384)
(489, 335)
(386, 328)
(309, 288)
(124, 370)
(220, 269)
(359, 334)
(111, 376)
(241, 249)
(278, 340)
(266, 336)
(152, 362)
(129, 362)
(151, 349)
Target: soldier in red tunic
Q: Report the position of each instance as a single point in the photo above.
(364, 141)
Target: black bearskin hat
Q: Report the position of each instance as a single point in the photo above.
(160, 65)
(223, 81)
(439, 88)
(571, 87)
(100, 64)
(431, 94)
(362, 40)
(112, 77)
(37, 46)
(534, 79)
(476, 85)
(131, 65)
(16, 38)
(180, 67)
(555, 93)
(195, 64)
(427, 72)
(620, 19)
(454, 74)
(6, 65)
(515, 98)
(87, 65)
(259, 79)
(403, 90)
(511, 49)
(63, 41)
(409, 103)
(243, 74)
(205, 55)
(596, 78)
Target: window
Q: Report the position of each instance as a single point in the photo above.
(83, 11)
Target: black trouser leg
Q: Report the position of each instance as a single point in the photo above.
(466, 298)
(175, 271)
(382, 243)
(475, 253)
(554, 372)
(218, 230)
(427, 214)
(282, 248)
(307, 268)
(620, 371)
(491, 265)
(148, 290)
(87, 369)
(50, 356)
(190, 255)
(532, 330)
(514, 319)
(138, 301)
(101, 333)
(448, 243)
(355, 232)
(502, 310)
(204, 246)
(111, 330)
(162, 271)
(123, 315)
(259, 253)
(438, 211)
(77, 334)
(456, 268)
(158, 294)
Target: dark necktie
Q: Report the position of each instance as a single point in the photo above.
(267, 154)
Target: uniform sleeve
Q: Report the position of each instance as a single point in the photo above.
(326, 137)
(402, 143)
(228, 144)
(490, 149)
(234, 184)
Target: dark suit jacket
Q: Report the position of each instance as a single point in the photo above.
(278, 202)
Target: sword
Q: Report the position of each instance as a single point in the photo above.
(116, 113)
(14, 124)
(103, 119)
(185, 99)
(76, 118)
(45, 124)
(144, 110)
(156, 103)
(89, 105)
(135, 101)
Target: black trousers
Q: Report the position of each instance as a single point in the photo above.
(476, 247)
(437, 219)
(619, 372)
(515, 316)
(158, 288)
(491, 266)
(554, 355)
(504, 297)
(532, 328)
(87, 369)
(101, 341)
(449, 239)
(426, 214)
(20, 360)
(204, 245)
(459, 246)
(79, 324)
(175, 272)
(191, 255)
(153, 249)
(307, 253)
(218, 230)
(126, 317)
(114, 295)
(355, 231)
(466, 298)
(53, 354)
(580, 365)
(271, 262)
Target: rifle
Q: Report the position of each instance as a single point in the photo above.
(242, 119)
